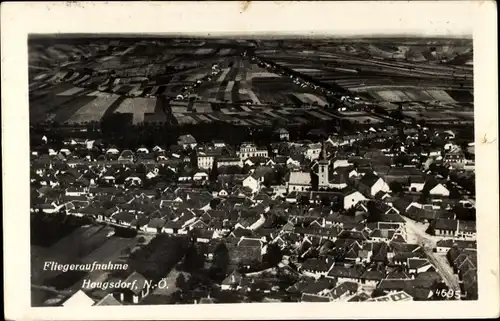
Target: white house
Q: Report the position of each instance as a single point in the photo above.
(371, 184)
(200, 176)
(416, 187)
(436, 188)
(205, 161)
(79, 300)
(341, 163)
(352, 199)
(253, 183)
(313, 151)
(248, 150)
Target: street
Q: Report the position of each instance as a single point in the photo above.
(416, 234)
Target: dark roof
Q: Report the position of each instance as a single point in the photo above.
(445, 224)
(313, 298)
(369, 179)
(345, 272)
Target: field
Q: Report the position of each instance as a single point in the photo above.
(181, 82)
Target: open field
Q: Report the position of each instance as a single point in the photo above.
(218, 79)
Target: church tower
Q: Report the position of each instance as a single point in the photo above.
(323, 164)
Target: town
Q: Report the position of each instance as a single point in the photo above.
(229, 199)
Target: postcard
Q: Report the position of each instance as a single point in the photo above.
(248, 160)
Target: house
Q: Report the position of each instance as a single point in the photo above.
(466, 230)
(283, 134)
(344, 290)
(253, 182)
(248, 150)
(416, 184)
(123, 218)
(314, 298)
(443, 246)
(352, 199)
(172, 227)
(317, 267)
(371, 278)
(78, 300)
(402, 175)
(418, 265)
(229, 162)
(444, 227)
(435, 188)
(126, 156)
(200, 176)
(313, 151)
(231, 281)
(155, 225)
(246, 251)
(320, 287)
(205, 160)
(345, 274)
(395, 297)
(371, 184)
(108, 300)
(219, 144)
(187, 141)
(135, 293)
(299, 181)
(76, 191)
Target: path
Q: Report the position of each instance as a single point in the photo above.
(428, 243)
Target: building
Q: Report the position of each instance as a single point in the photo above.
(248, 150)
(229, 161)
(283, 134)
(299, 181)
(187, 141)
(313, 151)
(205, 160)
(371, 184)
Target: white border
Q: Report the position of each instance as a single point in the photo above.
(446, 18)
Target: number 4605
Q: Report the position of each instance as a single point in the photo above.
(450, 293)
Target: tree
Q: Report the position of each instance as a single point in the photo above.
(273, 255)
(194, 259)
(220, 262)
(396, 187)
(374, 213)
(214, 172)
(180, 282)
(378, 293)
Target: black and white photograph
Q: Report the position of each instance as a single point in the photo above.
(187, 169)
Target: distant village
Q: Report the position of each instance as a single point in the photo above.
(381, 215)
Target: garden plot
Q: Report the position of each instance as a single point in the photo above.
(203, 108)
(71, 91)
(225, 52)
(204, 51)
(440, 95)
(314, 98)
(110, 251)
(182, 119)
(94, 110)
(418, 95)
(223, 75)
(251, 94)
(392, 95)
(138, 107)
(179, 109)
